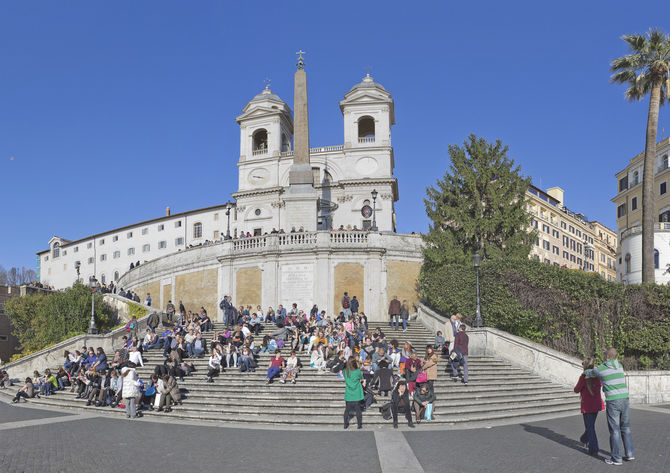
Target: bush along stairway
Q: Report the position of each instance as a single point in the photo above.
(496, 391)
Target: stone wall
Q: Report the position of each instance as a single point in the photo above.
(197, 289)
(166, 295)
(248, 287)
(349, 277)
(153, 288)
(401, 281)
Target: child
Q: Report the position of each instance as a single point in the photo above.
(440, 344)
(592, 403)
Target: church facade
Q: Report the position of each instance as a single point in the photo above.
(306, 223)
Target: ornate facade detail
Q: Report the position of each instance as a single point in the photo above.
(345, 198)
(278, 204)
(241, 208)
(386, 196)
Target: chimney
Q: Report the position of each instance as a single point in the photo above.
(167, 211)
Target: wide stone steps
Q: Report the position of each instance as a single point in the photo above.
(497, 391)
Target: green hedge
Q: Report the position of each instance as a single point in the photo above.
(42, 320)
(569, 310)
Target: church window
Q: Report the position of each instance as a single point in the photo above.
(628, 262)
(56, 250)
(366, 129)
(258, 231)
(285, 143)
(197, 230)
(260, 141)
(664, 217)
(367, 224)
(116, 275)
(257, 212)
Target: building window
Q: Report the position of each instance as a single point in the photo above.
(129, 235)
(602, 257)
(623, 183)
(89, 245)
(556, 234)
(216, 216)
(579, 233)
(101, 242)
(103, 257)
(566, 255)
(366, 128)
(162, 244)
(572, 229)
(627, 262)
(664, 216)
(656, 258)
(257, 212)
(90, 261)
(197, 230)
(546, 260)
(161, 227)
(76, 249)
(102, 278)
(115, 238)
(177, 224)
(546, 245)
(556, 251)
(116, 275)
(46, 258)
(664, 162)
(579, 261)
(145, 231)
(179, 241)
(131, 251)
(566, 241)
(146, 248)
(55, 252)
(117, 254)
(663, 188)
(621, 211)
(545, 228)
(537, 242)
(579, 248)
(564, 225)
(260, 141)
(573, 244)
(636, 178)
(573, 258)
(633, 203)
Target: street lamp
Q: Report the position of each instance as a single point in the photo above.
(92, 282)
(374, 210)
(77, 266)
(476, 261)
(228, 207)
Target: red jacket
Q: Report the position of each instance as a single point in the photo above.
(590, 402)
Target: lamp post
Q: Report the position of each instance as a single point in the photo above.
(476, 261)
(374, 210)
(92, 329)
(77, 266)
(228, 207)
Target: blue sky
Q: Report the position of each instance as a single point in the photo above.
(111, 111)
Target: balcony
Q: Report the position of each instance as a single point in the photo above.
(661, 227)
(259, 152)
(366, 139)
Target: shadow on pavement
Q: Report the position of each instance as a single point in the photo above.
(556, 437)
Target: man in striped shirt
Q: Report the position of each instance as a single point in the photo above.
(618, 409)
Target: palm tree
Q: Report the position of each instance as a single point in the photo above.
(646, 70)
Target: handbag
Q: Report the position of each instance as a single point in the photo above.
(422, 378)
(429, 412)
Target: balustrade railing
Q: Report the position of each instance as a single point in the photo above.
(367, 139)
(349, 237)
(300, 239)
(258, 152)
(664, 226)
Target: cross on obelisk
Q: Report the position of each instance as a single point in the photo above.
(301, 61)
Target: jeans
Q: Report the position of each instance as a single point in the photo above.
(246, 363)
(455, 366)
(589, 436)
(395, 323)
(189, 349)
(618, 422)
(347, 313)
(273, 371)
(198, 351)
(19, 395)
(130, 407)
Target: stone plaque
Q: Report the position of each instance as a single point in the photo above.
(297, 285)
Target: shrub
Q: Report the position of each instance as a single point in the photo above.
(571, 311)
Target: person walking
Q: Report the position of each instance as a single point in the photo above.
(617, 406)
(460, 354)
(592, 403)
(353, 392)
(394, 312)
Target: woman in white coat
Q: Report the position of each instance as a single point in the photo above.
(130, 390)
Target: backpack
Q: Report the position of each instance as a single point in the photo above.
(345, 303)
(385, 411)
(221, 304)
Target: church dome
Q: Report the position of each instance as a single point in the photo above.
(368, 83)
(266, 94)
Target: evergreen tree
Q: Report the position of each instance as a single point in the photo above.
(479, 205)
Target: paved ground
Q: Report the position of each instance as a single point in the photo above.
(35, 440)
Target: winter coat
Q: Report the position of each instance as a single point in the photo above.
(171, 387)
(430, 367)
(130, 385)
(385, 378)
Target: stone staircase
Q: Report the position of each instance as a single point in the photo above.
(496, 391)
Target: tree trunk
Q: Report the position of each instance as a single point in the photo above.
(649, 187)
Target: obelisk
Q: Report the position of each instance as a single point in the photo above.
(300, 198)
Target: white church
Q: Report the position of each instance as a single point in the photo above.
(306, 223)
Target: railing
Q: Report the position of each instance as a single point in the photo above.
(663, 226)
(324, 149)
(367, 139)
(349, 237)
(258, 152)
(286, 154)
